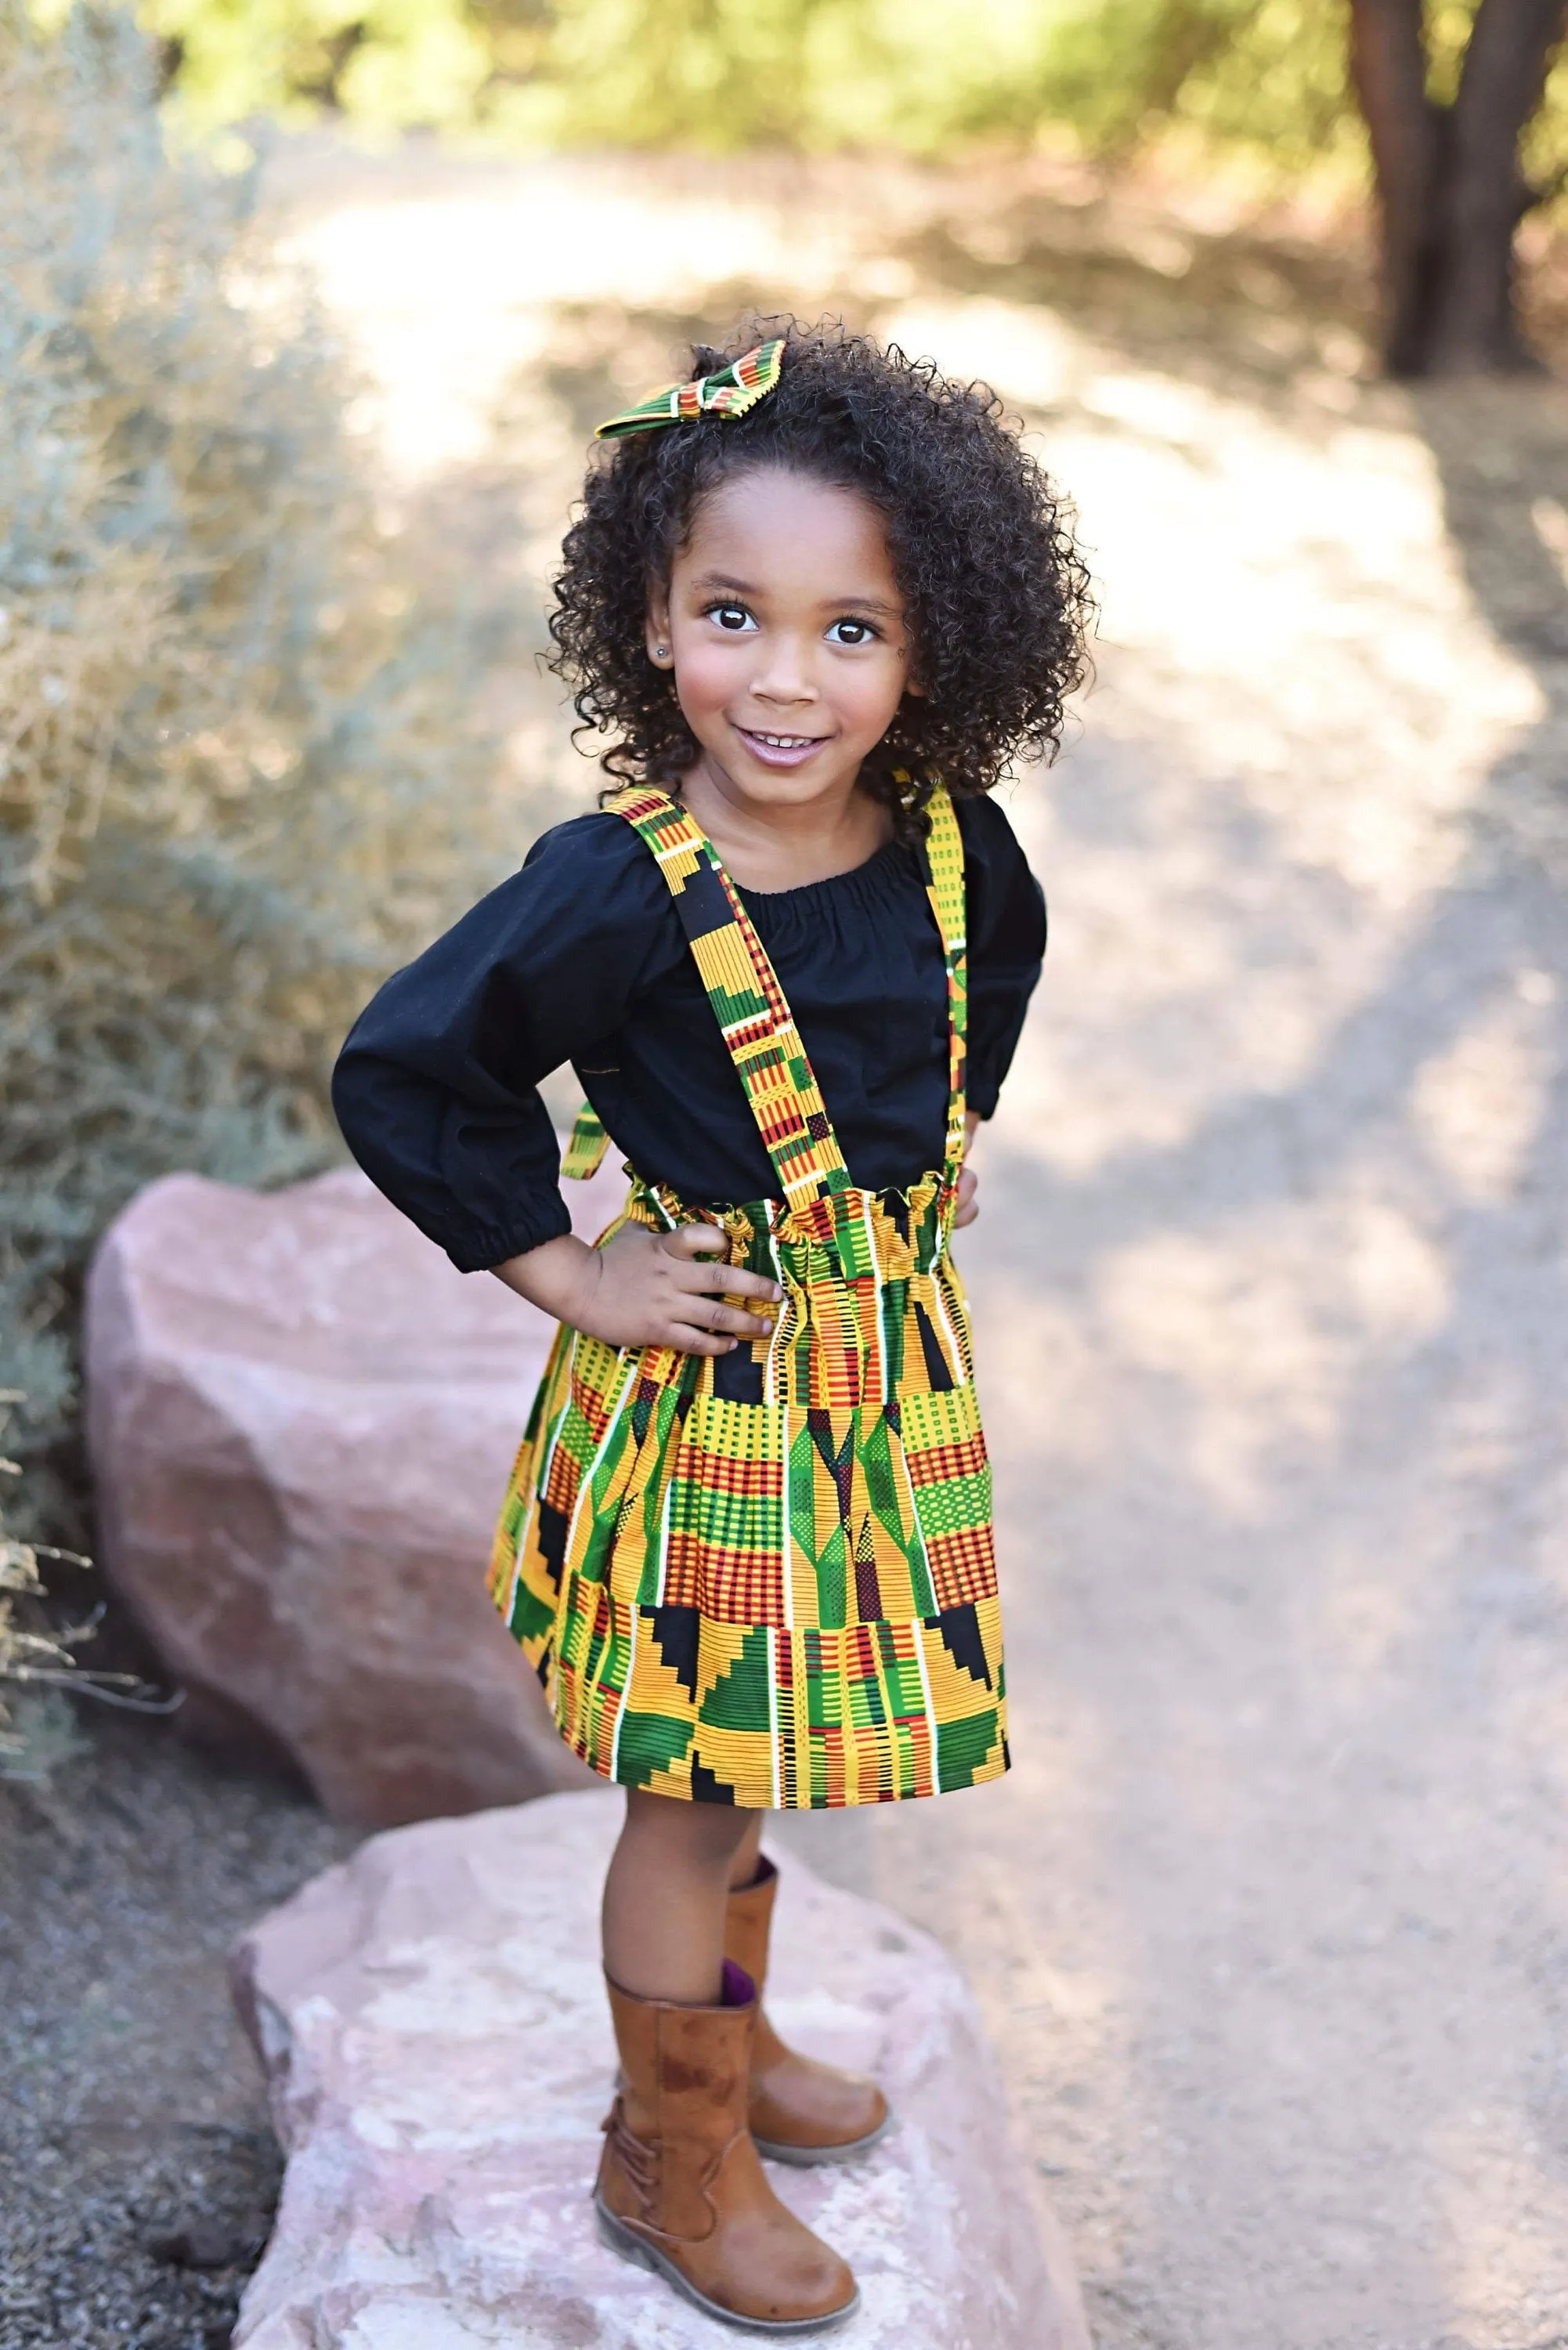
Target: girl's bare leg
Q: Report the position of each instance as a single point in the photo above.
(666, 1893)
(748, 1852)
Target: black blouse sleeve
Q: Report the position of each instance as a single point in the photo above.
(436, 1090)
(1006, 910)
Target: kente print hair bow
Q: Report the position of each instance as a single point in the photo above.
(729, 392)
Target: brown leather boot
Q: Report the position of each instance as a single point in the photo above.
(802, 2111)
(681, 2187)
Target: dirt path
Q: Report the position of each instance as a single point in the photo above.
(1270, 1920)
(1270, 1917)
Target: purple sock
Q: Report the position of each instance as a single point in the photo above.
(739, 1990)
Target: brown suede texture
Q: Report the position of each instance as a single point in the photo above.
(681, 2171)
(794, 2101)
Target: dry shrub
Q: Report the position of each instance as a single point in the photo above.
(37, 1731)
(237, 782)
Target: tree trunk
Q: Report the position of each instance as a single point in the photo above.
(1388, 65)
(1475, 322)
(1449, 186)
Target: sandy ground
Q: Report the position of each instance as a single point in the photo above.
(1271, 1919)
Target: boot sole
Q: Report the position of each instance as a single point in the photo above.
(807, 2157)
(631, 2246)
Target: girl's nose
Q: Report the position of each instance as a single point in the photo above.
(784, 674)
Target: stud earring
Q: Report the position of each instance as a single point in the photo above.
(660, 653)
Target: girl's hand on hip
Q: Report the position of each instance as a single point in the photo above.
(967, 1207)
(648, 1289)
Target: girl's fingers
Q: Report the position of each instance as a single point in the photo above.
(714, 1314)
(688, 1341)
(694, 1246)
(717, 1280)
(696, 1239)
(744, 1324)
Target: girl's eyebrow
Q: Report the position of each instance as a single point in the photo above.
(708, 579)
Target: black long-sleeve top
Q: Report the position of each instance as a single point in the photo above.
(580, 957)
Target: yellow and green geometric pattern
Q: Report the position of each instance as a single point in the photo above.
(767, 1577)
(730, 390)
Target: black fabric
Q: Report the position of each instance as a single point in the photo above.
(960, 1628)
(580, 957)
(707, 1787)
(678, 1633)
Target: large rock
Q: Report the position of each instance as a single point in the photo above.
(301, 1419)
(433, 2027)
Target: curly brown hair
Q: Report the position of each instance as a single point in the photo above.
(996, 595)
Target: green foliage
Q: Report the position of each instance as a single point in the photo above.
(1265, 73)
(1270, 75)
(235, 774)
(383, 61)
(730, 74)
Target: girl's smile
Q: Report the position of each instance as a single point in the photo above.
(785, 626)
(780, 750)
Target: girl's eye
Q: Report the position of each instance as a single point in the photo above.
(733, 617)
(851, 632)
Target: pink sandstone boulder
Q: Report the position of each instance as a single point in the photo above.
(300, 1420)
(432, 2024)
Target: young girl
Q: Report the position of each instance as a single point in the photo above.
(820, 598)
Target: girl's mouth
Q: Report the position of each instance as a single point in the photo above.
(780, 750)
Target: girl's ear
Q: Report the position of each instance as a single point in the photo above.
(659, 651)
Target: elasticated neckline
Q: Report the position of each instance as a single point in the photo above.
(866, 883)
